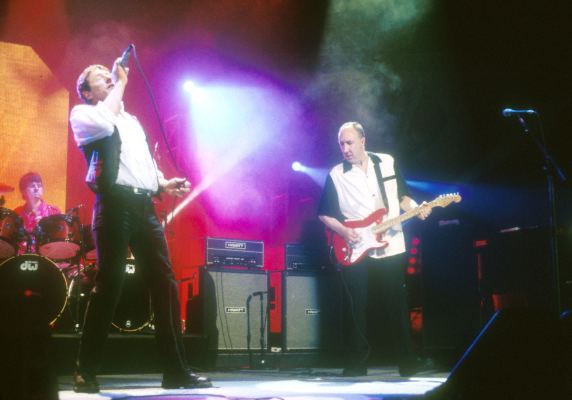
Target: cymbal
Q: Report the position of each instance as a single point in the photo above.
(5, 188)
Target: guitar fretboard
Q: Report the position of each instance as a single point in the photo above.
(439, 201)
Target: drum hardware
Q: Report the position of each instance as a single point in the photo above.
(80, 282)
(79, 278)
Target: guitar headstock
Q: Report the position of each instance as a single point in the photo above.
(445, 199)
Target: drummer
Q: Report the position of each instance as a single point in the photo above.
(34, 208)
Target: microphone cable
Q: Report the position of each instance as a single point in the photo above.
(161, 126)
(156, 111)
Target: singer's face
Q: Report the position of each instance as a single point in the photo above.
(100, 83)
(352, 145)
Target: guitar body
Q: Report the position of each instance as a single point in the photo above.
(347, 254)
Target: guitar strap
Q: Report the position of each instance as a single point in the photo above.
(380, 179)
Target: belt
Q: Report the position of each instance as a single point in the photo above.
(133, 190)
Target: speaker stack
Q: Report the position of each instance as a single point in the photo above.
(235, 308)
(311, 311)
(236, 302)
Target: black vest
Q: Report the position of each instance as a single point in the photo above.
(102, 157)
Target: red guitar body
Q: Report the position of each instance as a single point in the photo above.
(347, 254)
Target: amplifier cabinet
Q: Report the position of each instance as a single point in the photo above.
(235, 308)
(311, 310)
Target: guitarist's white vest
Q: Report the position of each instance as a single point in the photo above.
(359, 196)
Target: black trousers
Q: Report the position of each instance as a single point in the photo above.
(122, 219)
(375, 306)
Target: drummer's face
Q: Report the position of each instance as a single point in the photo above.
(34, 190)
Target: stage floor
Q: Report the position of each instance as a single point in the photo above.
(324, 383)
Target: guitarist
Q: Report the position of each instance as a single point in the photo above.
(374, 287)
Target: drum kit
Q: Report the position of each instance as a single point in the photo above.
(57, 261)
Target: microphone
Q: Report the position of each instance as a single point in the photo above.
(509, 112)
(125, 55)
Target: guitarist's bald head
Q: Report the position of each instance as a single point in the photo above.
(352, 125)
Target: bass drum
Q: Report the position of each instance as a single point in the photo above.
(133, 313)
(32, 275)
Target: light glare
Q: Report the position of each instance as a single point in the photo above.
(296, 166)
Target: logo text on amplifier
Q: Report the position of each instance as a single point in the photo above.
(235, 310)
(312, 311)
(235, 245)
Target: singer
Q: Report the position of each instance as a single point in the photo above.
(125, 178)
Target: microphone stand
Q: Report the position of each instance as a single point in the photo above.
(550, 167)
(248, 334)
(262, 360)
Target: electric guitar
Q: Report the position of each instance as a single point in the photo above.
(371, 230)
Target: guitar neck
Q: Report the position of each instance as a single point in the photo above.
(397, 220)
(441, 201)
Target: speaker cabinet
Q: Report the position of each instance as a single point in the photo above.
(235, 308)
(517, 355)
(311, 311)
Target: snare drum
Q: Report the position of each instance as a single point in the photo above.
(59, 237)
(10, 232)
(133, 313)
(33, 275)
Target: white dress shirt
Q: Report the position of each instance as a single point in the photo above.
(136, 165)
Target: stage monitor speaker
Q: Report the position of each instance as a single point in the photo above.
(517, 355)
(311, 311)
(235, 308)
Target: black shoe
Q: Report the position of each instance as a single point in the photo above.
(354, 371)
(417, 366)
(84, 383)
(186, 380)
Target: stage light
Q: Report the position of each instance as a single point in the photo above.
(189, 86)
(297, 166)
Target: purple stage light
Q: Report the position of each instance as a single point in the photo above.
(296, 166)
